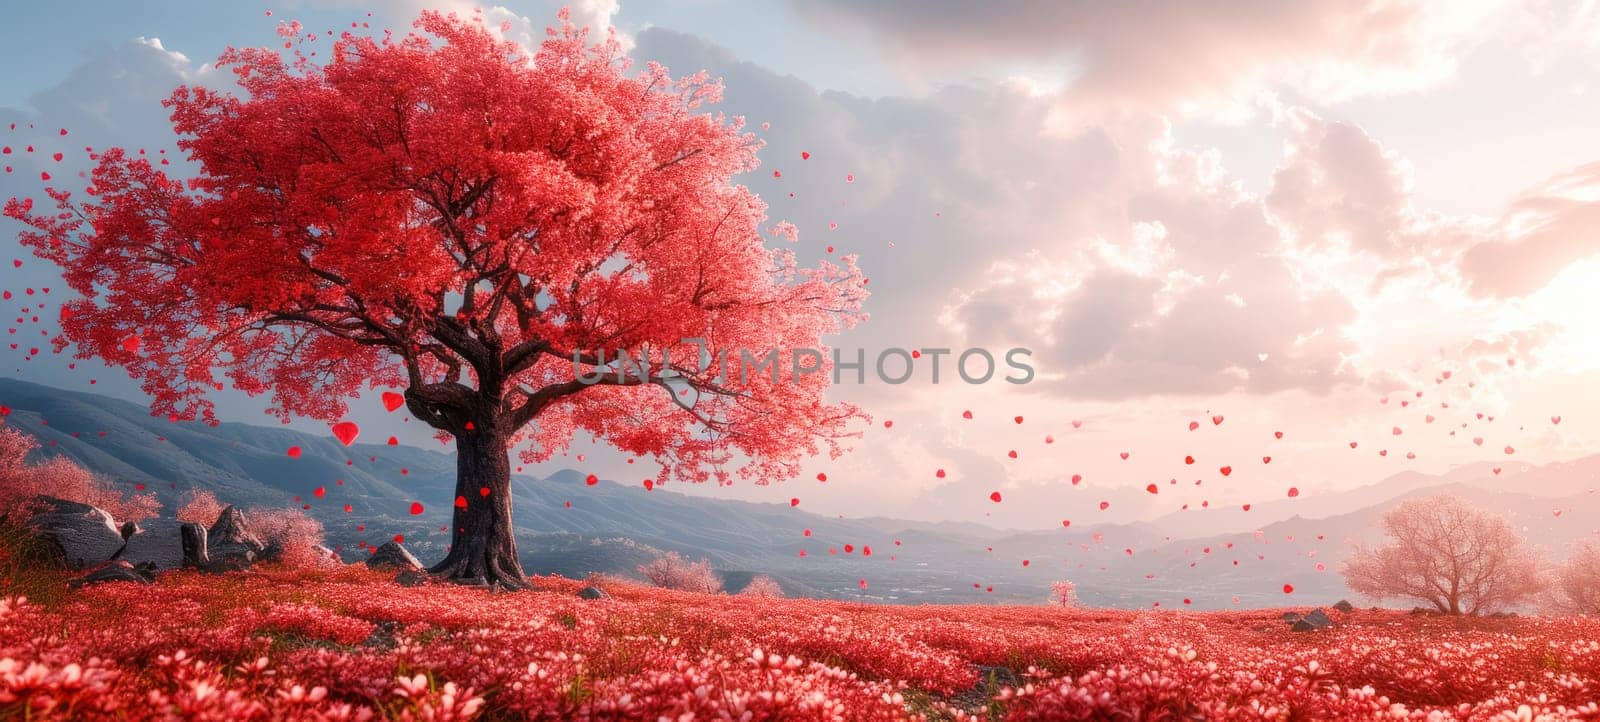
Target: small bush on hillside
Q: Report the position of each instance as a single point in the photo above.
(201, 508)
(59, 477)
(296, 536)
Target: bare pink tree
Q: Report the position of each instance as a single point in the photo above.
(670, 571)
(1064, 594)
(1447, 554)
(1575, 588)
(762, 586)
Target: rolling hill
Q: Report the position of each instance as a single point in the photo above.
(612, 528)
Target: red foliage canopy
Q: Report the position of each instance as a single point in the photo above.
(446, 213)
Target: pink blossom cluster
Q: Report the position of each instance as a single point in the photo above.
(348, 644)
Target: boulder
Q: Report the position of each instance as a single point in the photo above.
(411, 578)
(272, 552)
(116, 571)
(84, 535)
(1316, 620)
(166, 544)
(383, 635)
(230, 543)
(1345, 606)
(196, 553)
(592, 593)
(393, 556)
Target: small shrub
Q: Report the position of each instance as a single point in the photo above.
(298, 536)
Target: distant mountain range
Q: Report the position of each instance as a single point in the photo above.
(612, 528)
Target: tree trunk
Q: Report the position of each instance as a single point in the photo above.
(483, 547)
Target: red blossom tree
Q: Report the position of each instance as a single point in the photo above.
(1447, 554)
(1063, 594)
(448, 213)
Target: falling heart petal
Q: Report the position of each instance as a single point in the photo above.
(346, 432)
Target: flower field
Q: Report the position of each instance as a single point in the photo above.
(349, 644)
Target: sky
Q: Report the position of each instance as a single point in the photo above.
(1372, 227)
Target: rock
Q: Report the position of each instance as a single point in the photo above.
(223, 566)
(272, 552)
(1291, 616)
(1344, 606)
(383, 635)
(195, 552)
(998, 677)
(1503, 615)
(229, 542)
(592, 593)
(1317, 619)
(116, 571)
(84, 535)
(392, 555)
(166, 544)
(411, 578)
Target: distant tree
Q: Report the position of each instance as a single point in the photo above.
(21, 482)
(484, 225)
(1064, 594)
(1447, 554)
(670, 571)
(762, 586)
(1575, 588)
